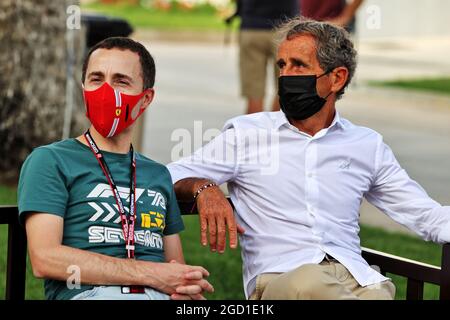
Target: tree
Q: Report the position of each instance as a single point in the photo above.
(33, 77)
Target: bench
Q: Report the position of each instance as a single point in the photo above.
(417, 273)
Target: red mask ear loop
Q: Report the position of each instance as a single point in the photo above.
(141, 101)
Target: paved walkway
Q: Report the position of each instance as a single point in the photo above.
(198, 82)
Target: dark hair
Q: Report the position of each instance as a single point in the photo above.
(123, 43)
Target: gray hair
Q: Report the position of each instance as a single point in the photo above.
(334, 46)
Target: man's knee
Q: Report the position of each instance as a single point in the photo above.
(302, 283)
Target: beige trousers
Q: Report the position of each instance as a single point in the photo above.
(328, 280)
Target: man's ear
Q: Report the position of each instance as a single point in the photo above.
(339, 78)
(148, 98)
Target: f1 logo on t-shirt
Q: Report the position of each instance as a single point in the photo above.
(103, 190)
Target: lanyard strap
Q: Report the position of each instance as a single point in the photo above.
(127, 222)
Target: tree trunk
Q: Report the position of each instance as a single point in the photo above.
(33, 71)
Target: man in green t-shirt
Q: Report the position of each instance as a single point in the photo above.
(102, 221)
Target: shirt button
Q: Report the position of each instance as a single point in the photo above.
(310, 175)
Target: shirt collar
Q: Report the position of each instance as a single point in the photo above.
(337, 121)
(281, 120)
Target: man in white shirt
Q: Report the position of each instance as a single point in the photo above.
(297, 178)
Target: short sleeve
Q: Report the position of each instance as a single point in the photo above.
(216, 161)
(42, 185)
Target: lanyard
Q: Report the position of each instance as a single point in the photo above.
(127, 222)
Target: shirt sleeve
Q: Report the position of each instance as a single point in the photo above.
(405, 201)
(42, 185)
(216, 161)
(174, 222)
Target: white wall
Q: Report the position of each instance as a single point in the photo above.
(404, 18)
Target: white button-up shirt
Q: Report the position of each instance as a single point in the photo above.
(298, 196)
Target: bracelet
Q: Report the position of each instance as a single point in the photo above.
(203, 188)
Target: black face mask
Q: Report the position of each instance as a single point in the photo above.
(298, 96)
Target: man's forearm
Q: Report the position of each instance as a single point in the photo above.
(185, 189)
(215, 213)
(95, 269)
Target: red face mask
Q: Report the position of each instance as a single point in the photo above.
(111, 111)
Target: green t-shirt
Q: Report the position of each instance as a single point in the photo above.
(65, 179)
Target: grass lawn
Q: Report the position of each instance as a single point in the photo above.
(202, 18)
(438, 85)
(226, 270)
(7, 195)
